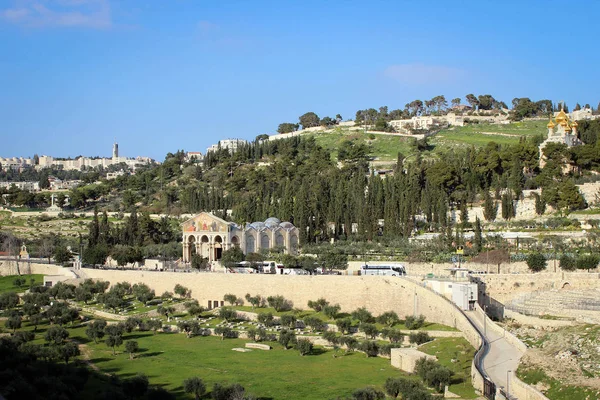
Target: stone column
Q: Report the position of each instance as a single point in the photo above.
(186, 247)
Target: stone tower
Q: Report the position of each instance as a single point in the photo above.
(115, 151)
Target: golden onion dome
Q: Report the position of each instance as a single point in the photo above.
(574, 124)
(550, 125)
(561, 117)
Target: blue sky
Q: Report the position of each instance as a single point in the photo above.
(181, 74)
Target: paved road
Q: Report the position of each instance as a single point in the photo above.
(502, 356)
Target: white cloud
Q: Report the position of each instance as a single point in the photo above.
(422, 74)
(95, 14)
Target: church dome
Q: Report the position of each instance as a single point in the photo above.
(272, 222)
(550, 125)
(287, 225)
(258, 225)
(561, 117)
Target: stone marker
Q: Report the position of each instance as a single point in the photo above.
(258, 346)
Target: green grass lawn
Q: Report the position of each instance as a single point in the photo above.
(384, 147)
(482, 134)
(557, 390)
(168, 359)
(6, 282)
(447, 349)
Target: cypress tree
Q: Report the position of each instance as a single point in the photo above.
(478, 239)
(490, 208)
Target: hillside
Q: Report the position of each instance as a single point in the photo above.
(385, 147)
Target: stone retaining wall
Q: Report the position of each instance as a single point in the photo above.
(504, 287)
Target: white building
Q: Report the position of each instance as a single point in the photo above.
(230, 144)
(194, 155)
(29, 186)
(17, 163)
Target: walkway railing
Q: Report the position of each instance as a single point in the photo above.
(489, 387)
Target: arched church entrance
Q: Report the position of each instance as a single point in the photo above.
(218, 248)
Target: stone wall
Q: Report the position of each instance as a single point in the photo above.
(9, 268)
(504, 287)
(534, 321)
(443, 269)
(405, 359)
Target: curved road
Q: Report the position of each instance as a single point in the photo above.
(502, 356)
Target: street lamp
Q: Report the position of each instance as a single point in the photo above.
(507, 382)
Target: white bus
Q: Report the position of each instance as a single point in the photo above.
(386, 270)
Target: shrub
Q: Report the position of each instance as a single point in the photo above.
(419, 338)
(331, 337)
(394, 335)
(304, 346)
(230, 298)
(536, 262)
(408, 388)
(315, 324)
(225, 331)
(389, 318)
(423, 365)
(567, 263)
(331, 311)
(343, 325)
(369, 330)
(279, 303)
(350, 342)
(413, 323)
(386, 349)
(318, 305)
(252, 332)
(362, 314)
(235, 391)
(265, 318)
(288, 320)
(368, 393)
(194, 386)
(370, 348)
(286, 337)
(588, 261)
(228, 314)
(261, 335)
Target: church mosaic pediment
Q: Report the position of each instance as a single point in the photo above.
(205, 222)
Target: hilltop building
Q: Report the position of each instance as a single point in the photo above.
(208, 235)
(561, 130)
(230, 144)
(194, 156)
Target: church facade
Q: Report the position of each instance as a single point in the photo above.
(208, 236)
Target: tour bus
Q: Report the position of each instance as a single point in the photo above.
(387, 270)
(282, 270)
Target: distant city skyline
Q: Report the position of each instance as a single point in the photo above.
(168, 76)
